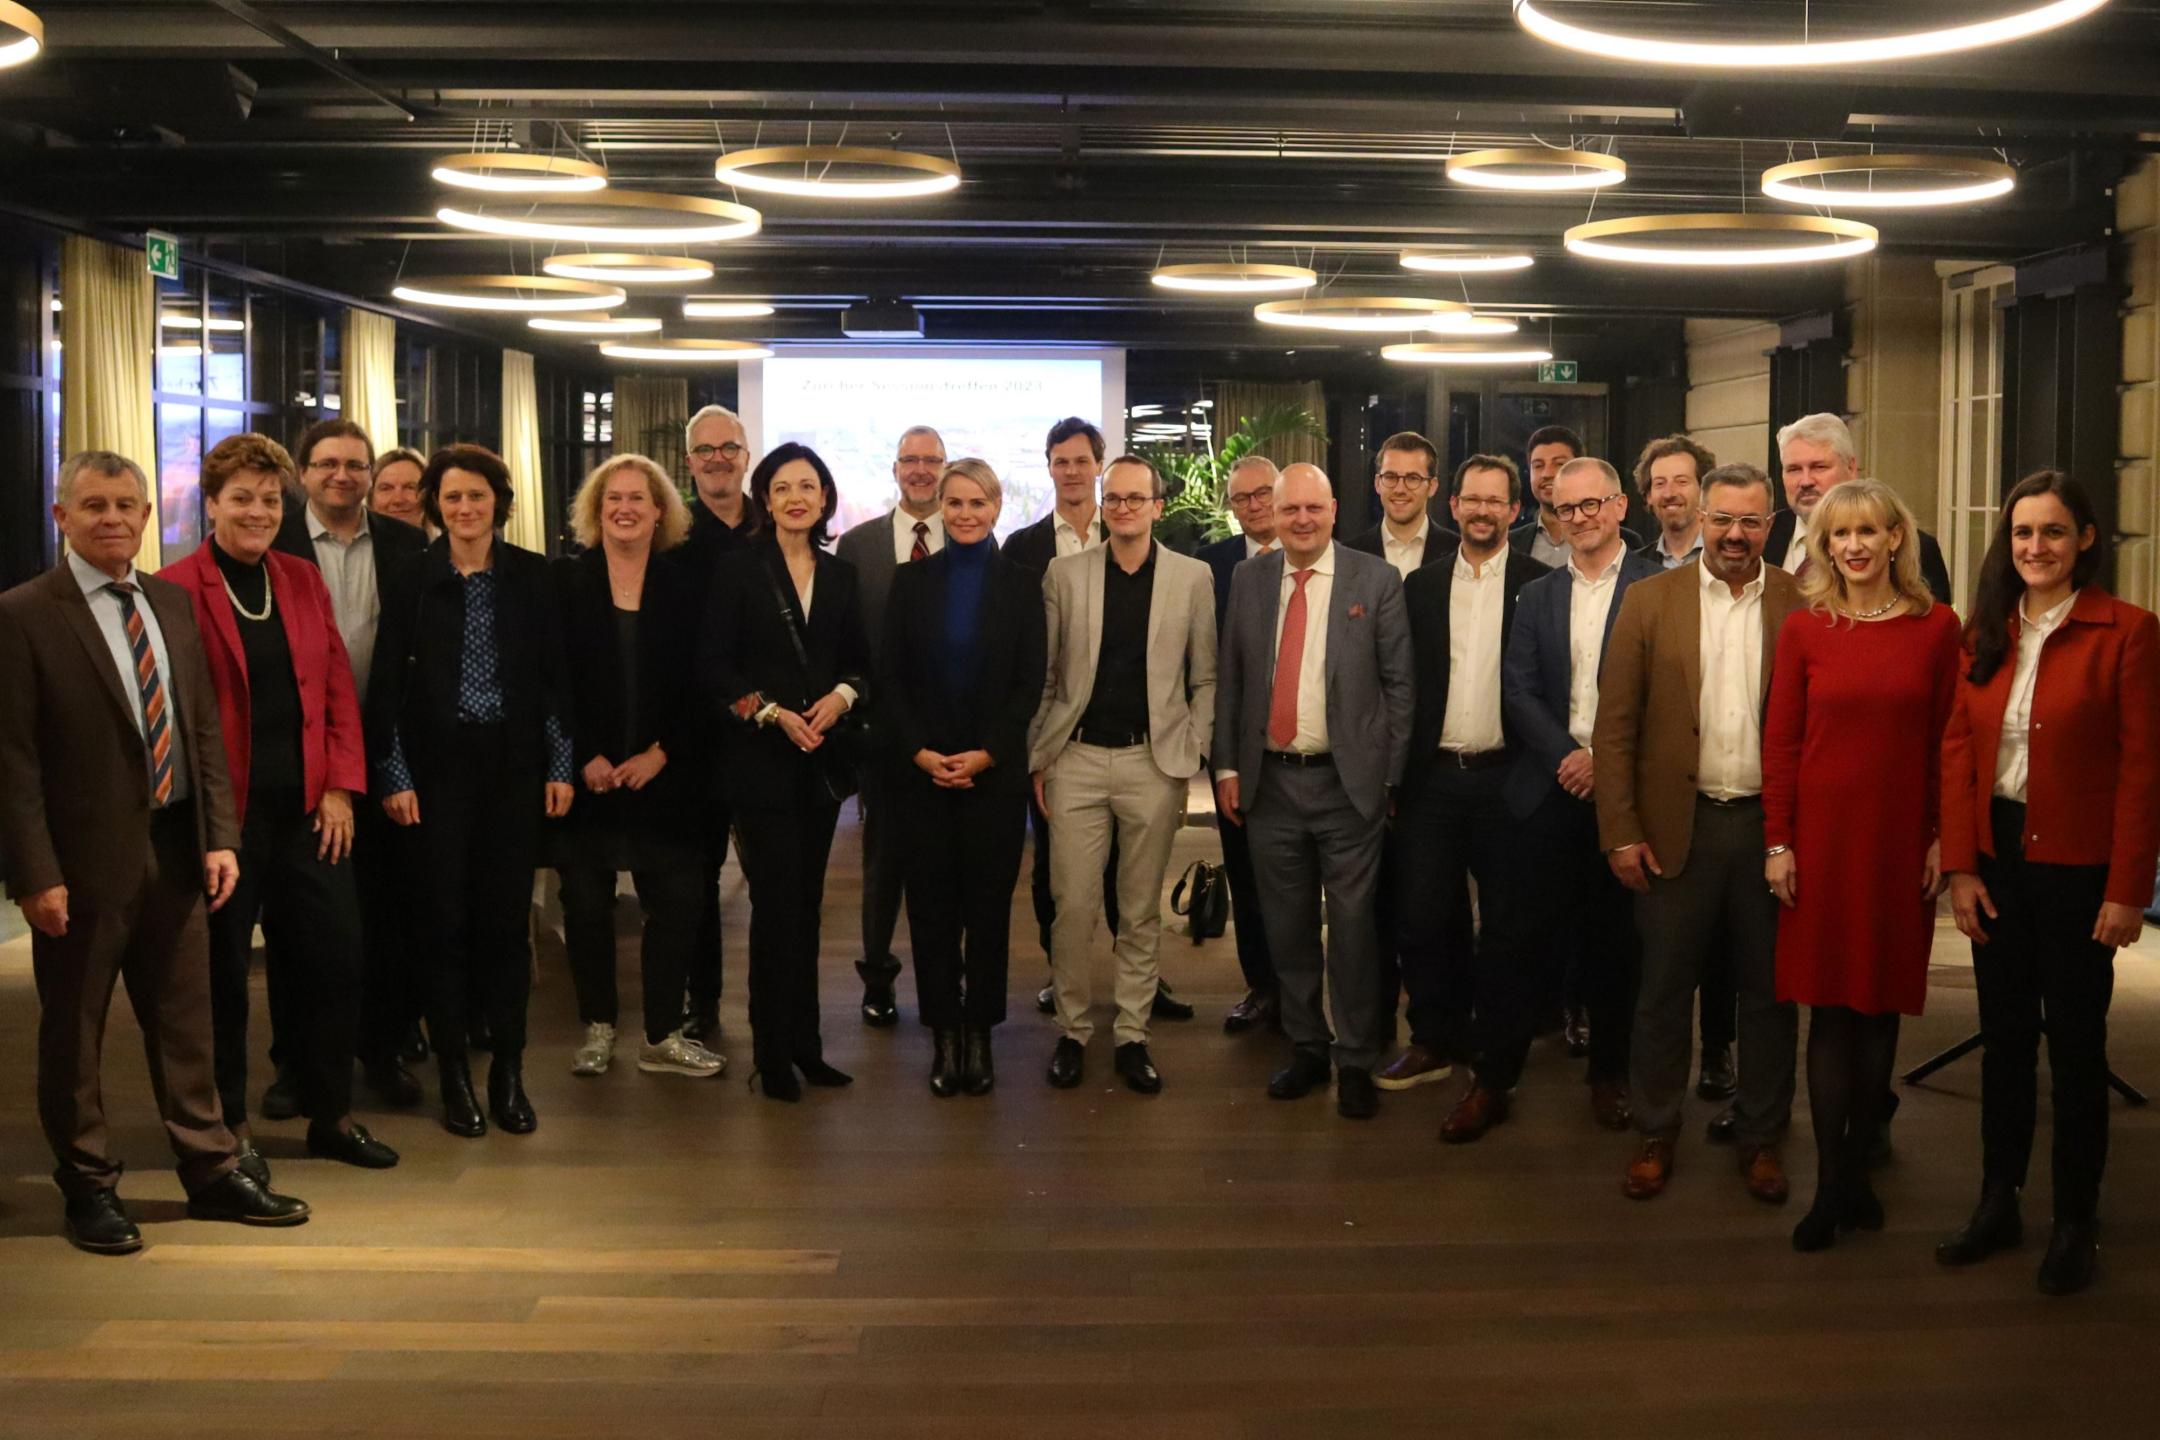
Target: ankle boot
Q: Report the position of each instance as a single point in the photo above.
(506, 1096)
(2073, 1252)
(977, 1071)
(945, 1064)
(461, 1109)
(1995, 1225)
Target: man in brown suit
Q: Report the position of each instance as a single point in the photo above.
(116, 819)
(1679, 801)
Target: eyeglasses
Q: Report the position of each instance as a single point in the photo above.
(1389, 480)
(1588, 509)
(729, 451)
(1128, 502)
(1746, 524)
(910, 460)
(1479, 502)
(359, 469)
(1253, 499)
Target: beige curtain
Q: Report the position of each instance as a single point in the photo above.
(370, 382)
(106, 333)
(521, 452)
(650, 412)
(1236, 400)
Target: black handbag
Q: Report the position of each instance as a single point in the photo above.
(833, 765)
(1202, 895)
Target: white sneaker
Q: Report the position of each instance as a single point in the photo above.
(597, 1053)
(677, 1056)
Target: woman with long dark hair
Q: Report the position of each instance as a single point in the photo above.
(2051, 825)
(784, 661)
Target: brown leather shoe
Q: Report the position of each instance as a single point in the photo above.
(1765, 1176)
(1650, 1169)
(1473, 1115)
(1415, 1066)
(1609, 1104)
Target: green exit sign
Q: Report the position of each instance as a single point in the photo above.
(1556, 372)
(162, 252)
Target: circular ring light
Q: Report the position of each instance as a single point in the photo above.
(526, 174)
(1223, 278)
(621, 267)
(1913, 45)
(1473, 325)
(926, 174)
(725, 309)
(595, 324)
(1460, 353)
(1465, 262)
(23, 20)
(1358, 314)
(511, 294)
(1615, 240)
(695, 352)
(696, 219)
(1533, 167)
(1800, 181)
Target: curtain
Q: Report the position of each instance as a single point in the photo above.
(521, 452)
(106, 333)
(371, 376)
(1237, 400)
(650, 412)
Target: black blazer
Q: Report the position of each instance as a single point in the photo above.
(746, 652)
(1428, 595)
(1223, 557)
(1033, 547)
(421, 643)
(1524, 531)
(918, 710)
(1437, 544)
(1934, 572)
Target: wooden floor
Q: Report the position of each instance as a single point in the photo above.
(680, 1256)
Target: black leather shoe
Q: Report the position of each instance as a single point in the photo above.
(1356, 1097)
(945, 1063)
(251, 1161)
(880, 1011)
(282, 1100)
(1995, 1225)
(1721, 1129)
(94, 1221)
(978, 1070)
(392, 1083)
(1304, 1074)
(778, 1082)
(413, 1049)
(1167, 1006)
(461, 1108)
(1718, 1081)
(822, 1075)
(1068, 1063)
(236, 1197)
(1818, 1228)
(506, 1096)
(1046, 999)
(1259, 1007)
(1136, 1069)
(2073, 1253)
(353, 1147)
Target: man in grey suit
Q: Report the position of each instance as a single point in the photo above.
(912, 530)
(1313, 710)
(1127, 711)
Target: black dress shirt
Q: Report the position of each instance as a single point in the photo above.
(1119, 702)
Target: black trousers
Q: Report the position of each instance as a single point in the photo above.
(702, 979)
(386, 875)
(1586, 922)
(479, 830)
(963, 858)
(1253, 959)
(667, 893)
(2041, 970)
(784, 851)
(310, 911)
(1039, 879)
(885, 833)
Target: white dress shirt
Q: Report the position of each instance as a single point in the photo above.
(903, 534)
(2013, 753)
(1312, 735)
(1405, 555)
(112, 624)
(1256, 548)
(1728, 762)
(1071, 541)
(1477, 601)
(1796, 553)
(348, 572)
(1589, 602)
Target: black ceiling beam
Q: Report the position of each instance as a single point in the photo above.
(323, 60)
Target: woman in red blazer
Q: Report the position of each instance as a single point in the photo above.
(2050, 828)
(291, 727)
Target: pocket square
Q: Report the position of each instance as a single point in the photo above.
(1357, 611)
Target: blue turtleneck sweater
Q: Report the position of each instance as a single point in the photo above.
(967, 569)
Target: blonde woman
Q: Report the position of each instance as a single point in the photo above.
(1862, 688)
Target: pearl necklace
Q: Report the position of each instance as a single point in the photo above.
(1883, 609)
(269, 599)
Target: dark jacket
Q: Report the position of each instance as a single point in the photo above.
(1437, 543)
(917, 708)
(1933, 571)
(712, 538)
(1033, 547)
(1428, 596)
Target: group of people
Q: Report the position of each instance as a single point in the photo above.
(1555, 774)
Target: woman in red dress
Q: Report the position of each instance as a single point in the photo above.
(1851, 794)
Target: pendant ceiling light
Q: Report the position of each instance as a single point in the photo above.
(694, 352)
(509, 173)
(2000, 29)
(1722, 240)
(595, 324)
(865, 173)
(1465, 262)
(1943, 180)
(1473, 325)
(511, 294)
(725, 309)
(622, 267)
(1228, 278)
(1358, 314)
(685, 219)
(1533, 167)
(1462, 353)
(29, 32)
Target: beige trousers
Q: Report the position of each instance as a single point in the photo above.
(1089, 791)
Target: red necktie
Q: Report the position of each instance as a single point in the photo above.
(922, 541)
(1289, 659)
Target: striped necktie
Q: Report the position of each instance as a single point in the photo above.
(922, 541)
(157, 725)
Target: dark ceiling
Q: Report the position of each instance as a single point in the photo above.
(1098, 138)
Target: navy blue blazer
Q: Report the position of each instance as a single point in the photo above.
(1222, 557)
(1534, 677)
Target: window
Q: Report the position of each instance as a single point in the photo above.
(30, 360)
(1971, 420)
(217, 350)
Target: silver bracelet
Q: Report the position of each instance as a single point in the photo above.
(1776, 850)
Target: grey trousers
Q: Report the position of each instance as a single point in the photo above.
(1721, 890)
(1306, 836)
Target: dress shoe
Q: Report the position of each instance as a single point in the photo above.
(413, 1049)
(1722, 1129)
(776, 1082)
(1473, 1115)
(1259, 1007)
(1136, 1069)
(880, 1010)
(823, 1076)
(94, 1221)
(282, 1100)
(1648, 1172)
(1818, 1228)
(251, 1161)
(392, 1083)
(1356, 1098)
(1415, 1066)
(1304, 1074)
(512, 1112)
(1575, 1029)
(2072, 1253)
(945, 1063)
(1718, 1081)
(1995, 1225)
(1046, 998)
(461, 1108)
(978, 1070)
(1167, 1006)
(1068, 1063)
(234, 1196)
(354, 1146)
(1765, 1176)
(1609, 1104)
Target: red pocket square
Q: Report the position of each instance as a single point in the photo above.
(1357, 612)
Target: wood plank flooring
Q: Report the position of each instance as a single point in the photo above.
(672, 1255)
